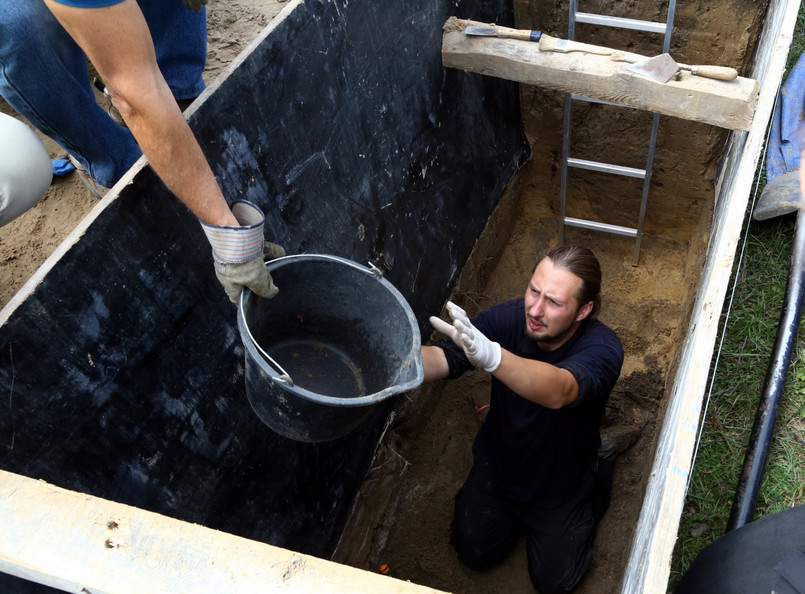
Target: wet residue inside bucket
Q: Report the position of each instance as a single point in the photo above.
(319, 367)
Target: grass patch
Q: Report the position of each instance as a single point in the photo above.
(737, 386)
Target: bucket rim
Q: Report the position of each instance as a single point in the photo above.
(415, 358)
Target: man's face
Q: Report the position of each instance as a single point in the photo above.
(552, 310)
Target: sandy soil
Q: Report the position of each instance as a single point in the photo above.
(402, 517)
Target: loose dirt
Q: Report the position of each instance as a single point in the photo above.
(403, 513)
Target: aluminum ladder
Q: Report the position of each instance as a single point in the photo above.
(666, 29)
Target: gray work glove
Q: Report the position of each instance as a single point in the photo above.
(194, 5)
(480, 351)
(240, 253)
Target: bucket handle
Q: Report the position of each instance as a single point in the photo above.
(284, 378)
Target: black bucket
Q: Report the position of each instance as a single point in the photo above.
(337, 340)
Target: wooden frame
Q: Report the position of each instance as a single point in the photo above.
(653, 545)
(81, 543)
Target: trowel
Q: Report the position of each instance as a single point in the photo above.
(664, 67)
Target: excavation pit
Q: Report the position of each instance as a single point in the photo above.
(448, 182)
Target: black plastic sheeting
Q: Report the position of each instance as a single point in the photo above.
(122, 375)
(767, 555)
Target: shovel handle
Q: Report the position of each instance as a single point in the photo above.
(717, 72)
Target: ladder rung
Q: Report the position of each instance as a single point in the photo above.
(594, 100)
(605, 227)
(621, 23)
(606, 168)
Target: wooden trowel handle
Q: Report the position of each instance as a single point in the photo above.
(717, 72)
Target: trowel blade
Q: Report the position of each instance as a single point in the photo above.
(660, 68)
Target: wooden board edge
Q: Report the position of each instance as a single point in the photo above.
(80, 543)
(77, 232)
(726, 104)
(649, 565)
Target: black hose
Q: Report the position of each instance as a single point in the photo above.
(743, 504)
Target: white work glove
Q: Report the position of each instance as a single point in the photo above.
(194, 5)
(481, 351)
(239, 253)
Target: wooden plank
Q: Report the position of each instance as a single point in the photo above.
(80, 543)
(655, 537)
(727, 104)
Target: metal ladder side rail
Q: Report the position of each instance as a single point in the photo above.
(624, 23)
(641, 217)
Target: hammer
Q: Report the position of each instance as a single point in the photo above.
(781, 196)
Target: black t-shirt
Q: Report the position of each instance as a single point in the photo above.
(536, 454)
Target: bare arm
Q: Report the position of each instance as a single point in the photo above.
(543, 383)
(117, 41)
(435, 363)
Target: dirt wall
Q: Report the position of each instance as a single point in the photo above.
(402, 517)
(687, 153)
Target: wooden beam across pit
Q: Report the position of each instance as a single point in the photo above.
(726, 104)
(79, 543)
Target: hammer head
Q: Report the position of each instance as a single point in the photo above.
(780, 196)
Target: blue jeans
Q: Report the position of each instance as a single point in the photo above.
(43, 75)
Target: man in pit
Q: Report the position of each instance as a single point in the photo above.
(535, 463)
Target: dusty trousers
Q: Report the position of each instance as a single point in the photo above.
(559, 540)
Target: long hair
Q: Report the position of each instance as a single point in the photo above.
(583, 263)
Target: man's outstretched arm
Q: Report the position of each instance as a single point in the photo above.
(118, 42)
(434, 363)
(543, 383)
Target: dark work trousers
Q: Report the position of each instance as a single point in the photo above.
(559, 540)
